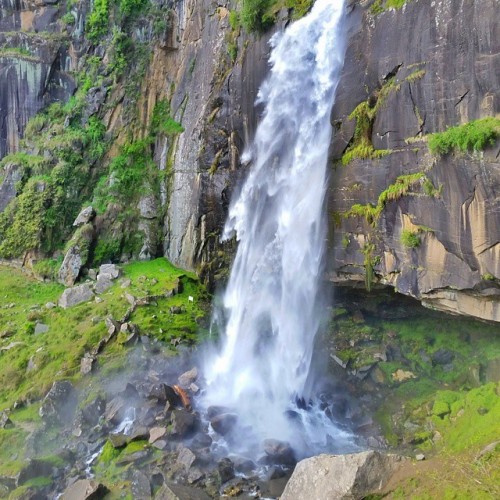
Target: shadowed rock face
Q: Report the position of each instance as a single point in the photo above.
(443, 56)
(34, 65)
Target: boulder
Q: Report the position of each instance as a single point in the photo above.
(172, 491)
(102, 284)
(140, 486)
(5, 421)
(76, 295)
(71, 266)
(186, 458)
(41, 328)
(279, 452)
(224, 423)
(341, 476)
(156, 433)
(183, 423)
(110, 271)
(59, 403)
(84, 217)
(34, 468)
(84, 489)
(163, 393)
(226, 470)
(187, 378)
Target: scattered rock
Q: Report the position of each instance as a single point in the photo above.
(140, 486)
(223, 423)
(84, 489)
(442, 357)
(125, 283)
(84, 217)
(401, 375)
(59, 403)
(279, 452)
(341, 476)
(102, 284)
(226, 470)
(50, 305)
(488, 449)
(187, 378)
(183, 423)
(420, 457)
(34, 468)
(161, 444)
(186, 458)
(41, 328)
(110, 271)
(5, 421)
(130, 298)
(86, 364)
(156, 433)
(76, 295)
(163, 393)
(172, 491)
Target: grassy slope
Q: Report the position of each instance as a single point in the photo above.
(73, 331)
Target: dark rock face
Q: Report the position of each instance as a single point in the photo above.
(34, 68)
(441, 58)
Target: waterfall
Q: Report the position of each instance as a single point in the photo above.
(270, 306)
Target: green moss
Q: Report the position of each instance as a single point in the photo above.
(108, 454)
(403, 186)
(410, 239)
(473, 136)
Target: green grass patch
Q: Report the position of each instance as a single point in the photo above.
(410, 239)
(473, 136)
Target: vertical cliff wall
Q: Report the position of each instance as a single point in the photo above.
(419, 70)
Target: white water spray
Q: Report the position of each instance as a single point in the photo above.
(271, 301)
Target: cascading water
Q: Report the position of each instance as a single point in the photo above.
(270, 305)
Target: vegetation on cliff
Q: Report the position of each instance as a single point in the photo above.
(473, 136)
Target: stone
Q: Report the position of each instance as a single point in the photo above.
(186, 458)
(223, 423)
(201, 440)
(140, 486)
(102, 284)
(225, 468)
(110, 271)
(84, 489)
(402, 375)
(92, 412)
(163, 393)
(183, 423)
(12, 173)
(87, 364)
(419, 457)
(41, 328)
(279, 452)
(442, 357)
(5, 421)
(115, 409)
(76, 295)
(172, 491)
(341, 476)
(161, 444)
(130, 298)
(125, 283)
(84, 217)
(194, 388)
(34, 468)
(50, 305)
(59, 403)
(118, 439)
(156, 433)
(188, 377)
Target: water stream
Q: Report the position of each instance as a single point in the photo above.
(270, 308)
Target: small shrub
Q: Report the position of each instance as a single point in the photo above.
(473, 136)
(97, 23)
(410, 239)
(253, 15)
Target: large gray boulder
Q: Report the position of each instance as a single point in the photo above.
(332, 477)
(76, 295)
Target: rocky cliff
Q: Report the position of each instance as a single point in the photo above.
(424, 223)
(162, 106)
